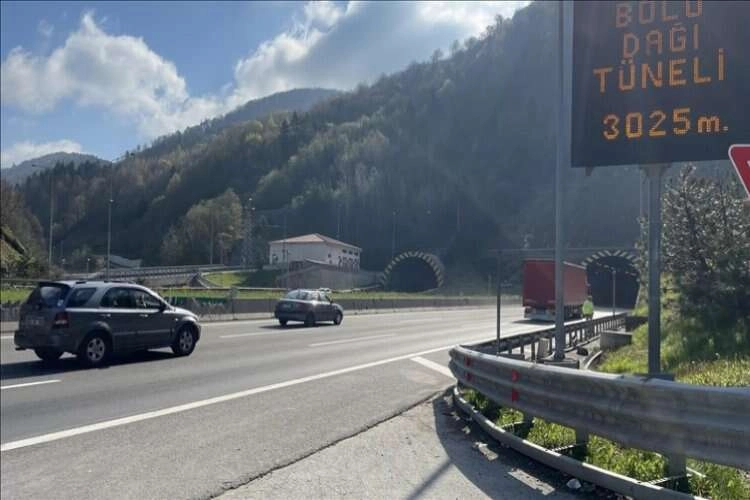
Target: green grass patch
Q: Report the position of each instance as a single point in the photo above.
(259, 278)
(14, 294)
(719, 483)
(638, 464)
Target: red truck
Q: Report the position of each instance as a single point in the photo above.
(539, 289)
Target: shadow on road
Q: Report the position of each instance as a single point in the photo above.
(35, 368)
(498, 471)
(294, 326)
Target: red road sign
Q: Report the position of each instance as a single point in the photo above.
(740, 156)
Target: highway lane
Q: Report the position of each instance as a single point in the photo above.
(291, 390)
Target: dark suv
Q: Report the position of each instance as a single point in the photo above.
(309, 306)
(95, 319)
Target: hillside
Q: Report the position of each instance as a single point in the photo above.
(293, 100)
(457, 152)
(18, 173)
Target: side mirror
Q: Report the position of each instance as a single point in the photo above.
(162, 307)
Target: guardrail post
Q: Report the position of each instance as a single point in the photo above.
(582, 444)
(677, 468)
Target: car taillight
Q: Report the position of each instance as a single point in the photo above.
(61, 320)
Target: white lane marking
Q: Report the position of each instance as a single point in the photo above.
(6, 337)
(421, 320)
(357, 339)
(253, 334)
(28, 384)
(433, 366)
(108, 424)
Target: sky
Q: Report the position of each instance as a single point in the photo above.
(103, 77)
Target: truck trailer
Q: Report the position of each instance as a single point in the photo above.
(539, 289)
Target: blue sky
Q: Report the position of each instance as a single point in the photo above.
(102, 77)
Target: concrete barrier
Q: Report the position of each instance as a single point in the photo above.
(610, 339)
(224, 308)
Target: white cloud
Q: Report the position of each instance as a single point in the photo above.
(329, 45)
(340, 46)
(45, 28)
(27, 150)
(118, 73)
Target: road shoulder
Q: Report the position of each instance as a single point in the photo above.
(426, 452)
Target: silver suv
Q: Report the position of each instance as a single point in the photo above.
(96, 319)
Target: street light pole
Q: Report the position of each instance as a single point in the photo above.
(393, 237)
(286, 252)
(51, 207)
(109, 232)
(614, 291)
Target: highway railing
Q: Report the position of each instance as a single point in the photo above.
(674, 419)
(538, 344)
(163, 271)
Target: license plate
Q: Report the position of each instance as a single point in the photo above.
(34, 321)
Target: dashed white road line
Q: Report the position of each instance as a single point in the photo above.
(433, 366)
(28, 384)
(108, 424)
(356, 339)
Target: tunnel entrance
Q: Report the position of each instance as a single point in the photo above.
(412, 275)
(413, 272)
(599, 272)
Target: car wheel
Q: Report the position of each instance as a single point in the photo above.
(282, 322)
(310, 319)
(338, 318)
(184, 342)
(95, 350)
(48, 354)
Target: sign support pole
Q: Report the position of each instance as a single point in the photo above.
(564, 59)
(499, 291)
(654, 174)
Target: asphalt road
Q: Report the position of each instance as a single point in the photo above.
(252, 398)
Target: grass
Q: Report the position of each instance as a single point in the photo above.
(14, 294)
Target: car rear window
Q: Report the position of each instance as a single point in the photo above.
(80, 296)
(49, 295)
(294, 294)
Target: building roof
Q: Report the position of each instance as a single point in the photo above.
(316, 238)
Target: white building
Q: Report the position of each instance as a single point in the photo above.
(317, 248)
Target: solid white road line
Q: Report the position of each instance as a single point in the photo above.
(357, 339)
(108, 424)
(433, 366)
(28, 384)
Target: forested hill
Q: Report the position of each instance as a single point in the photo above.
(291, 100)
(461, 148)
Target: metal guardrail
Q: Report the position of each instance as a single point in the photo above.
(579, 331)
(674, 419)
(164, 271)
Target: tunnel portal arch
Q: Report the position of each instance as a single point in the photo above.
(414, 271)
(599, 267)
